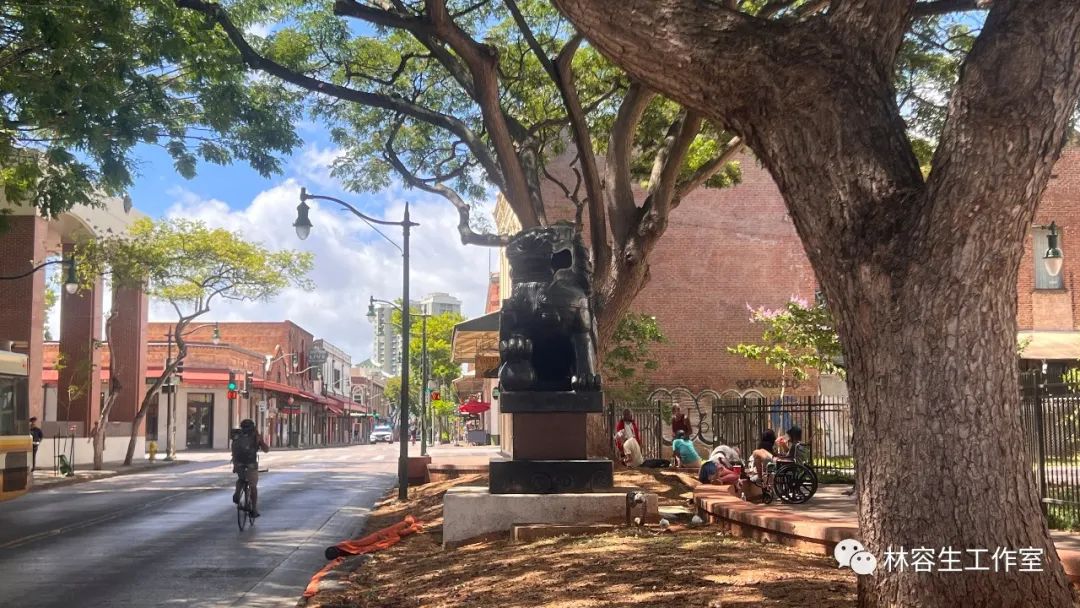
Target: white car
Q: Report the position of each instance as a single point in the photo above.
(382, 432)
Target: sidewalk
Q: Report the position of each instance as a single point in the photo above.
(47, 478)
(816, 526)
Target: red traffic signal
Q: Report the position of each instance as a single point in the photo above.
(232, 395)
(436, 396)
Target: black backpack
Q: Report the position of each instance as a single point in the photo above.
(245, 448)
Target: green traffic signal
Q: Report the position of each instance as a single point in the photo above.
(232, 385)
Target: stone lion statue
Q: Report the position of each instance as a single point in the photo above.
(547, 341)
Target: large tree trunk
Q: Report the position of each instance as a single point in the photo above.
(921, 275)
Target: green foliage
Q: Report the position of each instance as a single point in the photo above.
(51, 298)
(189, 264)
(85, 82)
(440, 332)
(442, 408)
(1071, 378)
(629, 356)
(797, 338)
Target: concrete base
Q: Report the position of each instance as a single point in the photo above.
(473, 512)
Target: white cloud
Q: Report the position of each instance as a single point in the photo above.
(351, 261)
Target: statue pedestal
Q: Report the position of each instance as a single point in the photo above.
(549, 449)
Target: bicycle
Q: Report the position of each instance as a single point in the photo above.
(244, 511)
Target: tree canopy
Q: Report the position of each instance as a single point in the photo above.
(455, 97)
(84, 83)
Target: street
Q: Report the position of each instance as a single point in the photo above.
(170, 537)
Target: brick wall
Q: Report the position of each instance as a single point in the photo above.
(22, 316)
(1050, 309)
(723, 250)
(262, 338)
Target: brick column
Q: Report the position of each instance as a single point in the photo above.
(80, 326)
(129, 342)
(22, 315)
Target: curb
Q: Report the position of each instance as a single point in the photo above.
(134, 470)
(804, 534)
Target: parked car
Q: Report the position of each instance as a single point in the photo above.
(382, 432)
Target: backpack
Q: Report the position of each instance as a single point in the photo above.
(245, 448)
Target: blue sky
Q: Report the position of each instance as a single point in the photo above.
(351, 261)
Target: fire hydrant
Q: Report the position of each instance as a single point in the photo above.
(152, 448)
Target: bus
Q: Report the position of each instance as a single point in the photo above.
(16, 447)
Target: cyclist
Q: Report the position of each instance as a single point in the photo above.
(245, 458)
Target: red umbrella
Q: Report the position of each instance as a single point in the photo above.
(472, 406)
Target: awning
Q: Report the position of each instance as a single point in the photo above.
(52, 376)
(277, 387)
(475, 338)
(335, 409)
(1049, 344)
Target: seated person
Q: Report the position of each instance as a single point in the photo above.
(760, 457)
(631, 449)
(685, 453)
(791, 445)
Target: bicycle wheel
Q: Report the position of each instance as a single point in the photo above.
(243, 508)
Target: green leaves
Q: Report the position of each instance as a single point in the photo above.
(86, 82)
(187, 263)
(628, 355)
(796, 338)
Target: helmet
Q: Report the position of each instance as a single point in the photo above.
(247, 424)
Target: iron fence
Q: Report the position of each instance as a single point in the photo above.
(1049, 416)
(1050, 420)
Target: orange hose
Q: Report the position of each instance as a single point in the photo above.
(376, 541)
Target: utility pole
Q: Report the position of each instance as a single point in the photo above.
(170, 435)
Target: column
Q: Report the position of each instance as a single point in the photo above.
(128, 348)
(22, 316)
(79, 394)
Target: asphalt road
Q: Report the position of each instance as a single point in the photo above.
(169, 538)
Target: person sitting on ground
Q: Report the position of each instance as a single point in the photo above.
(630, 448)
(680, 422)
(685, 453)
(628, 426)
(245, 458)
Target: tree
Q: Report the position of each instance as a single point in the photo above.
(85, 82)
(797, 338)
(190, 266)
(629, 356)
(455, 96)
(919, 272)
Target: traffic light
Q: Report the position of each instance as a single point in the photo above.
(249, 379)
(178, 371)
(232, 385)
(436, 396)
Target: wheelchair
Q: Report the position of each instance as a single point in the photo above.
(790, 479)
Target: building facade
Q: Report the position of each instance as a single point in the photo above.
(439, 303)
(387, 341)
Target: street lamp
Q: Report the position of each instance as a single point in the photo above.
(424, 418)
(1053, 258)
(71, 279)
(303, 229)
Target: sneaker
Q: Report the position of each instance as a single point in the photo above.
(236, 497)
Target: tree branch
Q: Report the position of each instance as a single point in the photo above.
(666, 166)
(621, 205)
(468, 235)
(386, 102)
(709, 169)
(481, 60)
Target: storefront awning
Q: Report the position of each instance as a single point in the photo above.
(475, 338)
(474, 407)
(1049, 344)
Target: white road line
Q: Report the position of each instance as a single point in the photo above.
(379, 457)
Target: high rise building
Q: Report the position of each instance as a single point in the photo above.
(439, 303)
(387, 350)
(387, 353)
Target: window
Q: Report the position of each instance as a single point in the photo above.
(1043, 280)
(14, 406)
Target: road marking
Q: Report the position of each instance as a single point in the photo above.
(379, 457)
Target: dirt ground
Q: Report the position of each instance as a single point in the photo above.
(630, 568)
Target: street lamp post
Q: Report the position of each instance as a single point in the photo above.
(71, 277)
(303, 229)
(170, 400)
(424, 420)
